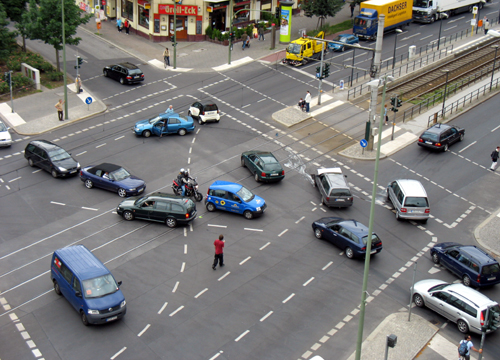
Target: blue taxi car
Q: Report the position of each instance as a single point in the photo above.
(343, 39)
(163, 124)
(233, 197)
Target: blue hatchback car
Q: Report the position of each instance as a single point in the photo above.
(113, 178)
(233, 197)
(473, 265)
(345, 39)
(349, 235)
(164, 124)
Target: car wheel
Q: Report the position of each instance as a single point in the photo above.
(349, 253)
(182, 132)
(189, 113)
(198, 196)
(146, 133)
(89, 184)
(418, 300)
(242, 162)
(57, 289)
(462, 326)
(30, 162)
(433, 18)
(105, 73)
(397, 216)
(461, 137)
(445, 148)
(210, 207)
(122, 193)
(256, 177)
(127, 215)
(248, 214)
(122, 81)
(466, 280)
(85, 321)
(53, 173)
(317, 233)
(171, 222)
(200, 120)
(424, 221)
(343, 48)
(435, 258)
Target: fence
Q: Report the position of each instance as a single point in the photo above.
(15, 92)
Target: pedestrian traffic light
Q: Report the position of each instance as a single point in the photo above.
(493, 319)
(80, 60)
(393, 101)
(232, 36)
(7, 76)
(278, 12)
(326, 71)
(394, 109)
(318, 72)
(400, 102)
(172, 38)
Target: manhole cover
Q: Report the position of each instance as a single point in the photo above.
(199, 50)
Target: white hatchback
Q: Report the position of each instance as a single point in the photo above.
(5, 138)
(204, 112)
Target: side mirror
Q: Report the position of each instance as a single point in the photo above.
(78, 294)
(120, 283)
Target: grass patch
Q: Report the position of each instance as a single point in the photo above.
(332, 29)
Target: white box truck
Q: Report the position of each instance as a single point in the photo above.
(428, 11)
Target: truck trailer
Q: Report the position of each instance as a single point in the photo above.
(398, 13)
(428, 11)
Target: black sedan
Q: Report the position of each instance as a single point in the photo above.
(113, 178)
(263, 165)
(160, 207)
(441, 136)
(125, 73)
(349, 235)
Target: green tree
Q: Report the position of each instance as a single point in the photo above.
(48, 26)
(14, 8)
(322, 9)
(7, 37)
(27, 22)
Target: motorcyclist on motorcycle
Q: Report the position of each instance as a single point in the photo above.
(182, 180)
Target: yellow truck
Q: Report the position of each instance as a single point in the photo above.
(300, 51)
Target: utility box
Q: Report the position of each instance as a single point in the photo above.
(412, 52)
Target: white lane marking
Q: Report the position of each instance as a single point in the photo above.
(185, 248)
(144, 330)
(185, 232)
(189, 160)
(250, 229)
(200, 293)
(239, 337)
(428, 36)
(244, 106)
(219, 226)
(215, 356)
(244, 261)
(495, 128)
(194, 139)
(198, 131)
(175, 287)
(17, 178)
(176, 311)
(57, 203)
(266, 245)
(302, 218)
(266, 316)
(327, 265)
(98, 146)
(281, 233)
(121, 137)
(288, 298)
(183, 266)
(87, 208)
(118, 353)
(223, 276)
(450, 28)
(261, 100)
(409, 37)
(308, 281)
(81, 153)
(468, 146)
(162, 308)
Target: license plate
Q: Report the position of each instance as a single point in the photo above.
(136, 77)
(210, 112)
(429, 142)
(415, 211)
(274, 174)
(492, 278)
(72, 171)
(373, 252)
(339, 200)
(112, 318)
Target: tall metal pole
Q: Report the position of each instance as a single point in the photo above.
(370, 232)
(440, 28)
(394, 55)
(374, 72)
(230, 31)
(175, 34)
(352, 67)
(394, 121)
(64, 65)
(445, 88)
(483, 333)
(320, 74)
(494, 63)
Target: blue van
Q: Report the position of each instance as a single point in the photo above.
(87, 284)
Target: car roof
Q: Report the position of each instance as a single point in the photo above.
(81, 262)
(470, 294)
(107, 167)
(477, 254)
(329, 171)
(226, 185)
(128, 65)
(412, 186)
(352, 225)
(162, 196)
(45, 144)
(438, 128)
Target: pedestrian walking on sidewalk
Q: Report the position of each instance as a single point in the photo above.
(127, 26)
(59, 107)
(486, 26)
(465, 346)
(386, 117)
(219, 251)
(352, 5)
(119, 24)
(78, 84)
(308, 101)
(261, 33)
(494, 158)
(166, 57)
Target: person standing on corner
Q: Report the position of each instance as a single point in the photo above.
(219, 251)
(119, 24)
(385, 115)
(470, 346)
(166, 56)
(308, 100)
(261, 33)
(494, 158)
(59, 107)
(127, 26)
(352, 5)
(486, 25)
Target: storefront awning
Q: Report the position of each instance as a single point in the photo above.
(214, 1)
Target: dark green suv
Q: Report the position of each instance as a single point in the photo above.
(159, 207)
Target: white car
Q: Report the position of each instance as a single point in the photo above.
(204, 112)
(5, 138)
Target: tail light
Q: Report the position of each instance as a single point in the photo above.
(482, 318)
(478, 279)
(129, 77)
(363, 248)
(427, 211)
(403, 210)
(263, 174)
(187, 216)
(283, 173)
(438, 144)
(202, 113)
(420, 140)
(218, 111)
(81, 173)
(327, 198)
(142, 75)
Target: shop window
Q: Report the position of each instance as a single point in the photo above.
(143, 16)
(128, 10)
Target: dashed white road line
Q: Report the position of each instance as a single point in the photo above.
(283, 232)
(302, 218)
(162, 308)
(118, 353)
(223, 276)
(144, 330)
(250, 229)
(176, 311)
(175, 287)
(308, 281)
(243, 334)
(57, 203)
(266, 316)
(219, 226)
(201, 293)
(244, 261)
(288, 298)
(264, 246)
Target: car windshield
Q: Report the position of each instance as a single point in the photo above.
(119, 174)
(245, 194)
(190, 206)
(134, 72)
(429, 136)
(375, 239)
(58, 155)
(211, 107)
(155, 119)
(140, 200)
(272, 167)
(3, 127)
(340, 192)
(294, 48)
(99, 287)
(490, 269)
(416, 202)
(341, 39)
(439, 287)
(421, 3)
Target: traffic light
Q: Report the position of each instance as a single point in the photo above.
(493, 319)
(394, 109)
(393, 101)
(172, 38)
(318, 72)
(326, 71)
(400, 102)
(80, 60)
(278, 13)
(7, 76)
(232, 36)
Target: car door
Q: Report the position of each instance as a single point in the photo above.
(344, 238)
(160, 211)
(43, 160)
(173, 125)
(454, 135)
(455, 309)
(251, 162)
(158, 128)
(115, 72)
(438, 301)
(196, 109)
(76, 298)
(449, 260)
(323, 186)
(234, 203)
(219, 199)
(145, 209)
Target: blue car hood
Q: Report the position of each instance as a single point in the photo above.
(106, 302)
(257, 201)
(131, 182)
(142, 123)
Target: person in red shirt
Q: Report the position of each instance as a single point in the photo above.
(219, 251)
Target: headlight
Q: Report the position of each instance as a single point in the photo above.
(124, 302)
(62, 169)
(78, 165)
(132, 189)
(118, 208)
(196, 187)
(93, 312)
(258, 209)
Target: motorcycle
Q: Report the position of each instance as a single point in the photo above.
(191, 189)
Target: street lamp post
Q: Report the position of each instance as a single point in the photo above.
(494, 63)
(441, 16)
(445, 88)
(175, 34)
(65, 81)
(398, 31)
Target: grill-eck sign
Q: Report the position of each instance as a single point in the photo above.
(188, 10)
